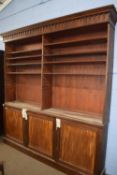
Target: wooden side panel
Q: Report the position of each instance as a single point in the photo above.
(14, 124)
(41, 133)
(77, 146)
(109, 70)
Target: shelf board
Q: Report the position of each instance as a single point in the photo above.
(75, 74)
(93, 119)
(91, 39)
(57, 73)
(80, 52)
(24, 51)
(21, 105)
(24, 73)
(75, 61)
(24, 64)
(24, 57)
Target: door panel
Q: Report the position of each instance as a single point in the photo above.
(41, 133)
(77, 145)
(14, 124)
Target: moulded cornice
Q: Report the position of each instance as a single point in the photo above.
(105, 14)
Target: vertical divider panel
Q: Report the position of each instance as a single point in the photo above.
(56, 141)
(26, 131)
(46, 80)
(41, 103)
(55, 137)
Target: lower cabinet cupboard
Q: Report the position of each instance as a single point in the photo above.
(41, 133)
(78, 144)
(68, 143)
(14, 124)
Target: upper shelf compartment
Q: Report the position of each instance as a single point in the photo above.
(88, 41)
(26, 53)
(23, 57)
(30, 47)
(94, 34)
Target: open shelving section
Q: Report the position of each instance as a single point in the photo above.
(53, 60)
(72, 59)
(23, 68)
(58, 76)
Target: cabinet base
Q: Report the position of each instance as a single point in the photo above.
(49, 161)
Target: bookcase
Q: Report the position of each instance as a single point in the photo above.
(58, 76)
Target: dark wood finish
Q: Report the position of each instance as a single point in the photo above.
(41, 134)
(81, 155)
(25, 132)
(2, 167)
(14, 124)
(80, 146)
(60, 71)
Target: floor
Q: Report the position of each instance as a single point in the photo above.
(17, 163)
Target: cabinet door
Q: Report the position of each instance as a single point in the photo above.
(13, 124)
(41, 134)
(77, 145)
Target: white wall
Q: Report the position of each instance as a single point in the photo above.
(20, 13)
(1, 44)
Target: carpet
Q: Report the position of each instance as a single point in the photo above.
(17, 163)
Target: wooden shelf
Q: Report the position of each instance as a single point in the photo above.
(24, 51)
(80, 52)
(90, 39)
(24, 64)
(24, 73)
(57, 73)
(24, 57)
(91, 118)
(75, 61)
(75, 74)
(20, 105)
(94, 119)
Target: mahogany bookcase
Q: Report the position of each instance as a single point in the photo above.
(58, 77)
